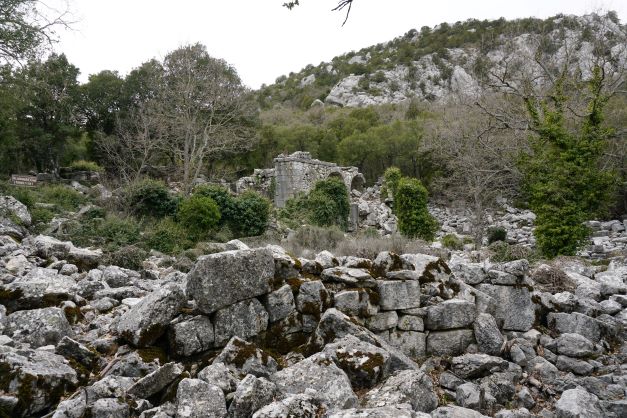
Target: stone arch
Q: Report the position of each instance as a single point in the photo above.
(357, 183)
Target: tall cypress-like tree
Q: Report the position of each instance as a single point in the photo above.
(564, 180)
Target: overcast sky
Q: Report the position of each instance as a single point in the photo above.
(264, 40)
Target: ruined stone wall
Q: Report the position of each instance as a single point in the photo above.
(298, 172)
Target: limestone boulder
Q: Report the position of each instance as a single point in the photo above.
(473, 366)
(398, 294)
(451, 314)
(38, 327)
(279, 304)
(578, 403)
(220, 280)
(252, 394)
(156, 381)
(244, 358)
(449, 343)
(12, 207)
(39, 288)
(242, 319)
(319, 373)
(191, 335)
(408, 386)
(196, 398)
(303, 405)
(145, 322)
(514, 306)
(487, 333)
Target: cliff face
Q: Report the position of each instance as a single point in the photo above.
(461, 59)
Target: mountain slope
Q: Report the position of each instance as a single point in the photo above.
(464, 58)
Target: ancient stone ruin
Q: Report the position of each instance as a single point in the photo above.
(296, 173)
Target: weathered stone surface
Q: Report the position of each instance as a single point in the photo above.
(196, 398)
(470, 273)
(411, 323)
(38, 327)
(382, 321)
(242, 319)
(489, 338)
(252, 394)
(451, 314)
(219, 280)
(36, 378)
(312, 298)
(578, 403)
(326, 260)
(574, 345)
(380, 412)
(279, 304)
(408, 386)
(449, 343)
(514, 306)
(569, 364)
(156, 381)
(191, 335)
(13, 207)
(220, 375)
(147, 320)
(411, 343)
(364, 364)
(575, 323)
(397, 294)
(71, 349)
(245, 358)
(335, 324)
(428, 267)
(468, 395)
(354, 303)
(110, 408)
(353, 277)
(473, 366)
(456, 412)
(294, 406)
(317, 372)
(386, 262)
(39, 288)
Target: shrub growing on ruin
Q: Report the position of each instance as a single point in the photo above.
(249, 215)
(329, 204)
(199, 215)
(414, 219)
(150, 198)
(83, 165)
(391, 177)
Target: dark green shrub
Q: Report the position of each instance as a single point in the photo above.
(223, 198)
(496, 234)
(62, 197)
(410, 202)
(94, 212)
(167, 236)
(249, 214)
(452, 242)
(128, 257)
(150, 198)
(198, 214)
(296, 211)
(329, 204)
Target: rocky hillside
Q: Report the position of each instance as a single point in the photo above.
(450, 59)
(257, 332)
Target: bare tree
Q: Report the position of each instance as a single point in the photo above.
(480, 160)
(205, 109)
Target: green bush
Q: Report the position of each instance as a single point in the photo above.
(496, 234)
(150, 198)
(94, 212)
(62, 197)
(82, 165)
(129, 257)
(296, 211)
(502, 252)
(168, 237)
(198, 214)
(24, 195)
(249, 214)
(452, 242)
(391, 177)
(41, 215)
(414, 219)
(223, 198)
(329, 204)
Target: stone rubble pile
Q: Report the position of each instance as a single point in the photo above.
(257, 332)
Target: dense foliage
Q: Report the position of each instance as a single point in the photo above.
(410, 202)
(564, 177)
(198, 214)
(150, 198)
(249, 215)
